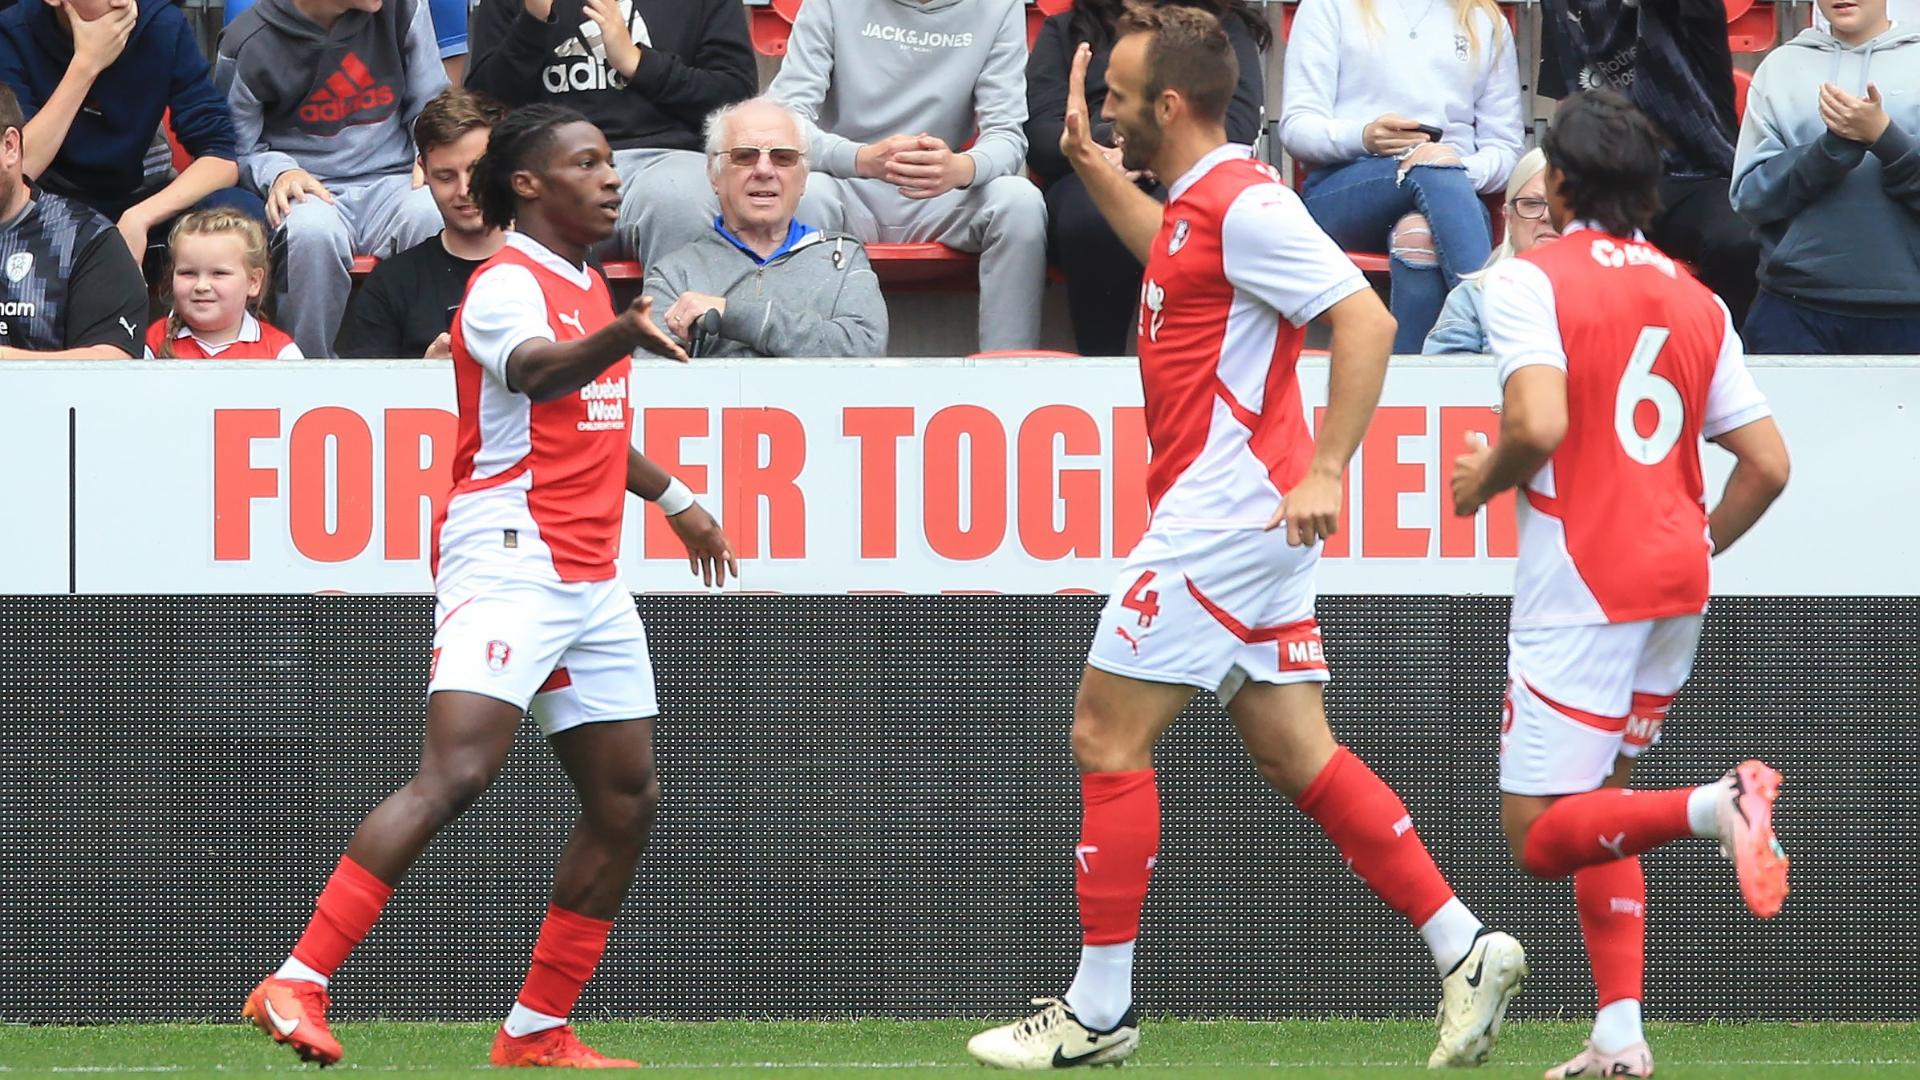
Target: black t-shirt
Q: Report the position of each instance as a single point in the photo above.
(67, 281)
(1669, 56)
(405, 303)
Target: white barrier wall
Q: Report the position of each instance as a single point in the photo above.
(837, 476)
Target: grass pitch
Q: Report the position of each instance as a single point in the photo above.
(935, 1050)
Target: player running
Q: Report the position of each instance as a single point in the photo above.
(530, 611)
(1214, 597)
(1605, 400)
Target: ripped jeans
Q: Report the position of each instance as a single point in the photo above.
(1360, 203)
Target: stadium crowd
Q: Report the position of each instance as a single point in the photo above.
(243, 190)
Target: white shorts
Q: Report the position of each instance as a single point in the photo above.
(571, 653)
(1213, 609)
(1580, 697)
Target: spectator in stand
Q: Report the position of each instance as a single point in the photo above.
(1670, 57)
(1828, 172)
(95, 78)
(759, 283)
(69, 289)
(647, 72)
(219, 273)
(1461, 328)
(406, 306)
(1103, 277)
(893, 91)
(1363, 79)
(324, 94)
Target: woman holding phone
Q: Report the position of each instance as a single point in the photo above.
(1405, 111)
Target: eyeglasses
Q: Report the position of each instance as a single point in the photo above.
(746, 157)
(1531, 209)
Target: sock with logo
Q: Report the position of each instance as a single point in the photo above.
(1602, 826)
(1612, 898)
(569, 948)
(1119, 840)
(345, 911)
(1370, 826)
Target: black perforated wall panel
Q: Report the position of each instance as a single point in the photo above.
(870, 809)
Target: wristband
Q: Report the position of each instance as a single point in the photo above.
(676, 499)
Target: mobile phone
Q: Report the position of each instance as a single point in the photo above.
(1432, 133)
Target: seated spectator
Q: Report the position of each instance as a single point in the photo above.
(894, 90)
(219, 274)
(95, 78)
(69, 289)
(1828, 172)
(759, 283)
(324, 94)
(1103, 277)
(406, 306)
(1362, 79)
(647, 72)
(1670, 57)
(1460, 328)
(449, 31)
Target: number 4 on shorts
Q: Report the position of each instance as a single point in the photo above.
(1140, 599)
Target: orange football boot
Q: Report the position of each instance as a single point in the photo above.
(294, 1011)
(553, 1048)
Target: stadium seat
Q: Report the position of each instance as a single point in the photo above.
(924, 268)
(769, 23)
(1752, 27)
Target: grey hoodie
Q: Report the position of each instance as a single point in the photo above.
(1838, 222)
(861, 70)
(818, 298)
(339, 103)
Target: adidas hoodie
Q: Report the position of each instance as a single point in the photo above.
(1838, 222)
(861, 70)
(340, 102)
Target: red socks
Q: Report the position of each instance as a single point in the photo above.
(1371, 827)
(343, 914)
(1119, 840)
(569, 949)
(1604, 826)
(1612, 898)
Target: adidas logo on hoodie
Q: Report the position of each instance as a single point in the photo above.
(345, 93)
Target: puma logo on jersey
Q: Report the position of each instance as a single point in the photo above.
(572, 320)
(132, 330)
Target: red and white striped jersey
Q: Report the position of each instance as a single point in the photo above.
(1237, 270)
(538, 487)
(1614, 527)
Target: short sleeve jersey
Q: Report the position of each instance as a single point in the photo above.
(256, 341)
(1236, 272)
(1614, 527)
(539, 488)
(67, 280)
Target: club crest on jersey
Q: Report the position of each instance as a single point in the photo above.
(1179, 237)
(498, 653)
(19, 265)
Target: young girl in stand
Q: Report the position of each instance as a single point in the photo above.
(219, 275)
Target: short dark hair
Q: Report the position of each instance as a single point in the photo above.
(1608, 156)
(515, 141)
(10, 114)
(451, 114)
(1187, 51)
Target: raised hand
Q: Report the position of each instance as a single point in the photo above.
(623, 55)
(1076, 135)
(1862, 120)
(649, 336)
(98, 42)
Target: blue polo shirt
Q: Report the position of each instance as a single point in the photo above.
(795, 232)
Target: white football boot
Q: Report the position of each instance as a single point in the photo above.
(1054, 1038)
(1474, 997)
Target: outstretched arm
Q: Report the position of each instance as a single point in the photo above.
(544, 369)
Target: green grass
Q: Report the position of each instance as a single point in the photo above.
(923, 1050)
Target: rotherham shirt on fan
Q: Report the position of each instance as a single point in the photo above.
(539, 488)
(256, 341)
(1614, 527)
(1236, 272)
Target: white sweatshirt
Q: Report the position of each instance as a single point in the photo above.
(1342, 74)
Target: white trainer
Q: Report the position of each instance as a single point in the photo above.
(1054, 1038)
(1635, 1060)
(1474, 998)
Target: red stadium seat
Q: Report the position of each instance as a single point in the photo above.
(363, 265)
(924, 268)
(770, 24)
(181, 159)
(1751, 27)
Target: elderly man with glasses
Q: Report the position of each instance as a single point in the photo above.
(760, 283)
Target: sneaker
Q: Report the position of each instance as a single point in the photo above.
(1054, 1038)
(1746, 836)
(554, 1047)
(1635, 1060)
(294, 1011)
(1474, 997)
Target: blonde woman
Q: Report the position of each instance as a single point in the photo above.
(1459, 329)
(1405, 111)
